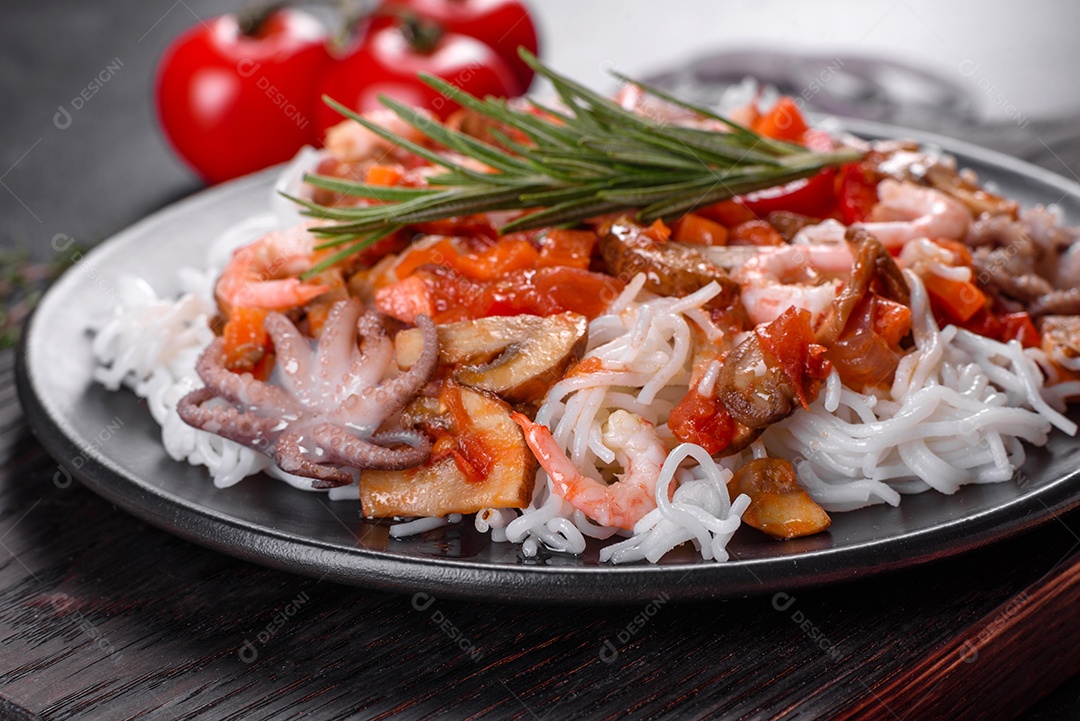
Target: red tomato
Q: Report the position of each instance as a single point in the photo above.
(702, 420)
(230, 103)
(387, 62)
(856, 193)
(812, 196)
(502, 24)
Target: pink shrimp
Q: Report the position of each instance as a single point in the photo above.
(907, 211)
(623, 503)
(351, 142)
(263, 274)
(803, 276)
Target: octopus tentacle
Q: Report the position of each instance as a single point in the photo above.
(294, 358)
(290, 457)
(224, 420)
(336, 348)
(390, 397)
(330, 399)
(242, 389)
(376, 352)
(346, 449)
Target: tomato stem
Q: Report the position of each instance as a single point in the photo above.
(421, 34)
(252, 18)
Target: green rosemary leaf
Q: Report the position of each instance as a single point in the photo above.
(341, 255)
(385, 193)
(587, 158)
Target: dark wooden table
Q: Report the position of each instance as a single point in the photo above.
(104, 617)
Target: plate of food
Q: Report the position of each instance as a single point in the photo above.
(587, 350)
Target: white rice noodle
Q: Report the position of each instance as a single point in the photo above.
(494, 521)
(957, 412)
(644, 348)
(699, 511)
(1057, 390)
(422, 525)
(151, 346)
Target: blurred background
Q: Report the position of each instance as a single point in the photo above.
(1001, 74)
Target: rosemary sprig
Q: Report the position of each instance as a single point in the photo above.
(22, 282)
(591, 158)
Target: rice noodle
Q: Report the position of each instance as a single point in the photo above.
(958, 407)
(700, 511)
(648, 360)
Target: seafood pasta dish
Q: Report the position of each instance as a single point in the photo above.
(630, 320)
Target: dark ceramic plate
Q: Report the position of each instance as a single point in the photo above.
(110, 442)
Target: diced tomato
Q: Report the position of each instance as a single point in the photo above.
(657, 231)
(1007, 327)
(790, 340)
(892, 320)
(755, 232)
(506, 256)
(698, 230)
(471, 455)
(393, 243)
(407, 298)
(547, 291)
(1018, 326)
(982, 323)
(494, 261)
(469, 226)
(728, 213)
(856, 193)
(441, 252)
(960, 299)
(264, 366)
(567, 248)
(246, 340)
(384, 175)
(702, 419)
(446, 295)
(813, 196)
(784, 122)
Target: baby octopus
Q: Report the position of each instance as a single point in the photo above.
(326, 412)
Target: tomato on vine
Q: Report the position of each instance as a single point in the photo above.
(388, 59)
(504, 25)
(234, 96)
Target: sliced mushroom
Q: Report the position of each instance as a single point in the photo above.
(670, 268)
(481, 429)
(517, 357)
(778, 504)
(754, 389)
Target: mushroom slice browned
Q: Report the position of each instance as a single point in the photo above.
(479, 460)
(516, 357)
(670, 269)
(778, 504)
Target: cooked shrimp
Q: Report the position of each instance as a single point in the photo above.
(907, 211)
(263, 274)
(351, 142)
(803, 276)
(638, 449)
